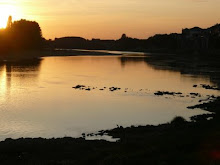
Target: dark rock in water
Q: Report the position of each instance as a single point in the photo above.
(213, 97)
(91, 134)
(209, 87)
(112, 89)
(79, 86)
(202, 117)
(101, 133)
(195, 86)
(88, 89)
(160, 93)
(210, 106)
(195, 94)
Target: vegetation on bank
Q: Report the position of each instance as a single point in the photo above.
(189, 41)
(20, 37)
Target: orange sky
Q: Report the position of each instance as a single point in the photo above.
(108, 19)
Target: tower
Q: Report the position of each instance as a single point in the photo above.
(9, 22)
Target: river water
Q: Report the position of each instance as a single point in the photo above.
(37, 98)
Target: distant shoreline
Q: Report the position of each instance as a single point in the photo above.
(35, 54)
(31, 55)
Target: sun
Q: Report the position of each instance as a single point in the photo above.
(7, 10)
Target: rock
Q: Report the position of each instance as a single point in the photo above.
(209, 87)
(194, 94)
(79, 86)
(160, 93)
(114, 89)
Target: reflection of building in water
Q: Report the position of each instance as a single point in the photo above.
(18, 75)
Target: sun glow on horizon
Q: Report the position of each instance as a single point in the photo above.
(7, 10)
(110, 18)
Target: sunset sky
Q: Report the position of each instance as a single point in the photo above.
(108, 19)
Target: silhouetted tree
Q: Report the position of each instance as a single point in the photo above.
(25, 35)
(124, 36)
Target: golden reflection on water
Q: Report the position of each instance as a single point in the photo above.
(3, 81)
(14, 76)
(37, 98)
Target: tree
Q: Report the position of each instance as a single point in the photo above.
(25, 35)
(124, 36)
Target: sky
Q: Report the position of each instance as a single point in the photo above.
(108, 19)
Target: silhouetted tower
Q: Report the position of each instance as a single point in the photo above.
(9, 22)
